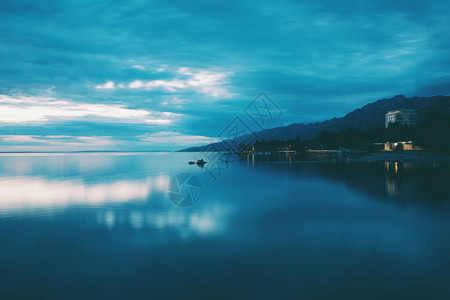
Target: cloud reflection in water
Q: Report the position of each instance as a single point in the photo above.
(22, 193)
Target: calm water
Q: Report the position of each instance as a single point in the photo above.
(101, 226)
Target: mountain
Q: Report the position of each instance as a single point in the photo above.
(367, 117)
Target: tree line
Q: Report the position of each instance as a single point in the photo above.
(432, 134)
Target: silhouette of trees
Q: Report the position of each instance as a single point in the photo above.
(397, 132)
(432, 133)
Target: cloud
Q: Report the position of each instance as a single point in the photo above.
(176, 138)
(139, 67)
(56, 143)
(109, 85)
(184, 71)
(30, 109)
(18, 138)
(156, 141)
(202, 81)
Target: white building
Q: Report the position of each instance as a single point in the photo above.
(402, 116)
(405, 146)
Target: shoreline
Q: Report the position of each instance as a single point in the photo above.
(409, 156)
(404, 157)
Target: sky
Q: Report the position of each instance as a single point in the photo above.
(165, 75)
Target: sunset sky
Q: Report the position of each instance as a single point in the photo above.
(165, 75)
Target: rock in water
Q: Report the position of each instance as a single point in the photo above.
(201, 162)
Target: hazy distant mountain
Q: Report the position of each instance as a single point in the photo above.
(367, 117)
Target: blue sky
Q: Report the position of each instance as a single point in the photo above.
(152, 75)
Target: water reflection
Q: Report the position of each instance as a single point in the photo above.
(185, 223)
(264, 224)
(398, 181)
(18, 193)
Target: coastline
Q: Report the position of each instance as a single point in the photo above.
(385, 156)
(404, 157)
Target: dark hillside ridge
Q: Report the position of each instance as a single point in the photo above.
(369, 116)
